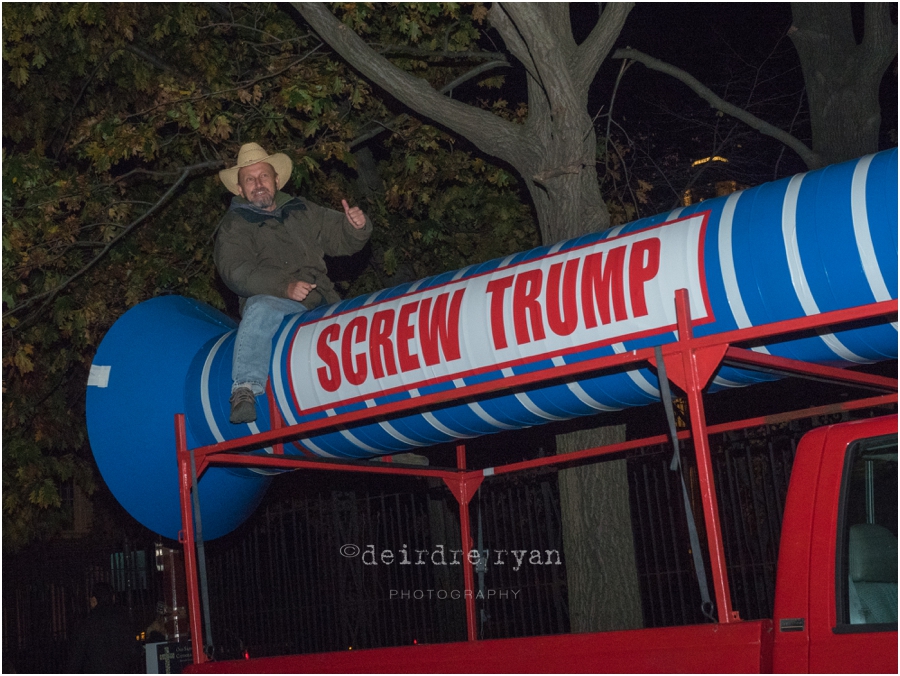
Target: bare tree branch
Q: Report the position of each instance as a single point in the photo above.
(662, 172)
(806, 154)
(612, 100)
(377, 128)
(274, 41)
(151, 58)
(444, 54)
(446, 89)
(475, 72)
(501, 21)
(594, 50)
(551, 62)
(492, 134)
(793, 122)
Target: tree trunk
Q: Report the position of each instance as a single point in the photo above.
(598, 546)
(555, 150)
(555, 153)
(563, 182)
(845, 120)
(843, 77)
(569, 205)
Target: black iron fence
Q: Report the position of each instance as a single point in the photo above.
(520, 581)
(299, 594)
(333, 562)
(46, 597)
(670, 593)
(338, 569)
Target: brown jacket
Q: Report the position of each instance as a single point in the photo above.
(263, 252)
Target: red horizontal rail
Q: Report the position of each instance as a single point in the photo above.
(685, 435)
(768, 362)
(569, 371)
(783, 328)
(287, 462)
(426, 401)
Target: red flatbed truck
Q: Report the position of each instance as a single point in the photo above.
(836, 592)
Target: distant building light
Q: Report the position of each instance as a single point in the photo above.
(715, 158)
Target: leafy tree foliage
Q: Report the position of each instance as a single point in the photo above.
(117, 117)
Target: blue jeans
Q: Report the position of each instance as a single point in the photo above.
(260, 319)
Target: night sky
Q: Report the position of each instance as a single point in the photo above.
(722, 45)
(719, 44)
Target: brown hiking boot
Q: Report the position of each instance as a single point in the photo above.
(243, 406)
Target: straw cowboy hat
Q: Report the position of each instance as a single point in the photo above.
(252, 153)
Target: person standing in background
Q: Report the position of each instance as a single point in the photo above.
(105, 643)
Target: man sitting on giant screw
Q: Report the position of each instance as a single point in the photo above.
(270, 251)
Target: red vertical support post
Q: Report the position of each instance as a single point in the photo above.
(460, 456)
(468, 575)
(694, 384)
(276, 422)
(187, 539)
(465, 536)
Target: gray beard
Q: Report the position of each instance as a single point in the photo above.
(263, 202)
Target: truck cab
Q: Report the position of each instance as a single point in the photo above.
(836, 593)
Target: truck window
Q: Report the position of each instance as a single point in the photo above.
(867, 544)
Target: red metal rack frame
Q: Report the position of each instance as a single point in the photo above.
(690, 363)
